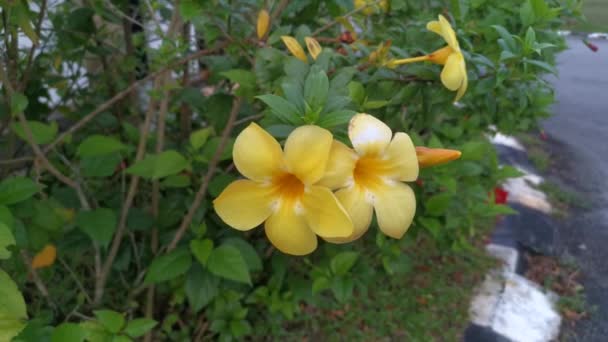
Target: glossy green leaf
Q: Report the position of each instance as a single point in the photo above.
(68, 332)
(17, 189)
(201, 249)
(98, 224)
(98, 145)
(201, 287)
(41, 132)
(138, 327)
(169, 266)
(343, 262)
(227, 262)
(158, 166)
(6, 239)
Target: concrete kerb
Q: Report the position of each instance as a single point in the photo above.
(507, 306)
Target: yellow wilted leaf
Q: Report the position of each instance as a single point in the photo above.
(295, 48)
(313, 47)
(263, 23)
(44, 258)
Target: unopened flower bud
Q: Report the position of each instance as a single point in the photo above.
(263, 23)
(435, 156)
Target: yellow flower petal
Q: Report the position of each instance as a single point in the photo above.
(306, 152)
(46, 257)
(256, 154)
(451, 75)
(263, 23)
(295, 48)
(324, 214)
(340, 166)
(244, 204)
(465, 82)
(395, 207)
(401, 158)
(368, 135)
(445, 30)
(290, 233)
(441, 56)
(434, 26)
(313, 47)
(359, 208)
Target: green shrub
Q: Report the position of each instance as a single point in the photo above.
(115, 142)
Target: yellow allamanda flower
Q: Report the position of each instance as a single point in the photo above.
(263, 24)
(376, 169)
(282, 189)
(313, 46)
(454, 73)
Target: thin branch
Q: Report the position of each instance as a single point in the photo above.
(36, 278)
(249, 118)
(76, 280)
(104, 106)
(236, 106)
(335, 21)
(30, 55)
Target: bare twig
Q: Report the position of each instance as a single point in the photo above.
(249, 118)
(76, 280)
(236, 106)
(279, 9)
(30, 56)
(335, 21)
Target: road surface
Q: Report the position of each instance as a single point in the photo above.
(579, 135)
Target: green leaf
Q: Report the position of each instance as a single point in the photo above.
(316, 88)
(343, 262)
(240, 328)
(158, 166)
(169, 266)
(190, 9)
(375, 104)
(99, 145)
(343, 289)
(251, 256)
(283, 110)
(543, 65)
(176, 181)
(320, 284)
(42, 133)
(201, 249)
(100, 166)
(201, 287)
(6, 217)
(199, 137)
(6, 239)
(219, 183)
(12, 308)
(68, 332)
(138, 327)
(244, 78)
(437, 204)
(356, 92)
(18, 103)
(113, 321)
(17, 189)
(227, 262)
(507, 37)
(337, 118)
(98, 224)
(95, 332)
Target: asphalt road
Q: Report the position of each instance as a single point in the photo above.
(578, 134)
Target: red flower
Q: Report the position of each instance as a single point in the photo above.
(590, 45)
(500, 195)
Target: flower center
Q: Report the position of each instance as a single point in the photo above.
(368, 172)
(288, 187)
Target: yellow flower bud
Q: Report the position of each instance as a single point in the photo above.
(440, 56)
(295, 48)
(313, 47)
(435, 156)
(263, 23)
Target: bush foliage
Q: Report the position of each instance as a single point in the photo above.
(117, 120)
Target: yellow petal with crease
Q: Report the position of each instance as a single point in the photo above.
(465, 82)
(401, 158)
(360, 209)
(448, 33)
(256, 154)
(395, 206)
(435, 27)
(295, 48)
(340, 166)
(324, 214)
(307, 151)
(451, 75)
(290, 233)
(368, 135)
(244, 204)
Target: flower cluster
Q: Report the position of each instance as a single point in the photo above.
(318, 186)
